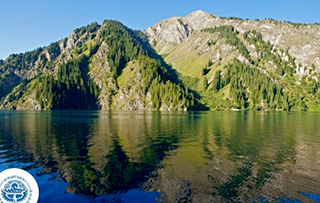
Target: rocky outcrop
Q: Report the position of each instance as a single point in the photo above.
(168, 31)
(101, 74)
(302, 41)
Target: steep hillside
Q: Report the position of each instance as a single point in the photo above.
(237, 64)
(197, 62)
(96, 67)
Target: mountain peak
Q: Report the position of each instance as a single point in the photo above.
(198, 19)
(198, 13)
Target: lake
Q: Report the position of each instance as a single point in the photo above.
(97, 156)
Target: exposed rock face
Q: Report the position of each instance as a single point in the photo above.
(131, 97)
(101, 74)
(302, 41)
(169, 31)
(199, 19)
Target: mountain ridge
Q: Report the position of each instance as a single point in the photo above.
(197, 62)
(199, 20)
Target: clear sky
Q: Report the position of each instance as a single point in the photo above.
(28, 24)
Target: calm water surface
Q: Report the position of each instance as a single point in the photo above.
(165, 157)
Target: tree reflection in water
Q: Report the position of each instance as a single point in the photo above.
(187, 157)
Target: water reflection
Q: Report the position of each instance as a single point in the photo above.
(186, 157)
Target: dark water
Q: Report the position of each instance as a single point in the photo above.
(169, 157)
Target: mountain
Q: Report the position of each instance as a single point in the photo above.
(106, 66)
(197, 62)
(232, 63)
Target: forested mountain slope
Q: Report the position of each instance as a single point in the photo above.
(96, 67)
(241, 64)
(197, 62)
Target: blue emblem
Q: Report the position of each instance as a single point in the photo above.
(14, 191)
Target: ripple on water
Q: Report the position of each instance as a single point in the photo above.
(144, 157)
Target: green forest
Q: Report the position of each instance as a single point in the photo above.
(68, 85)
(110, 66)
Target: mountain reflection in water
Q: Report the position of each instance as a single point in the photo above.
(98, 156)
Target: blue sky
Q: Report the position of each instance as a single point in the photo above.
(28, 24)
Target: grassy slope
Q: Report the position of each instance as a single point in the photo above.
(189, 60)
